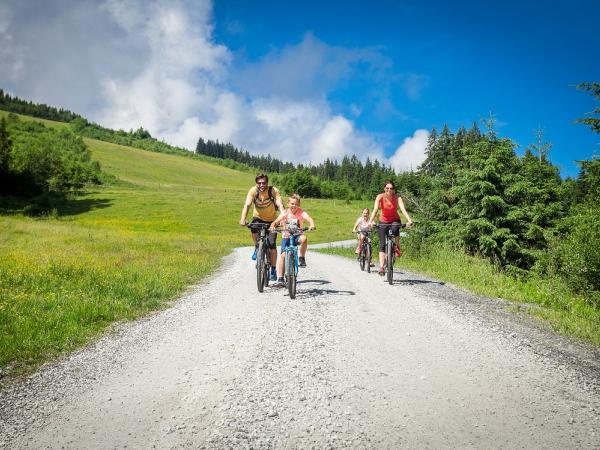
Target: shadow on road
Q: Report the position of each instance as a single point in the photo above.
(316, 292)
(413, 282)
(314, 281)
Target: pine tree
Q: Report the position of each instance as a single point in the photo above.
(426, 166)
(479, 218)
(592, 122)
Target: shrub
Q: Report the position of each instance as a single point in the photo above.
(46, 160)
(576, 255)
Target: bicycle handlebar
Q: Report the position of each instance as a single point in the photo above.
(258, 226)
(391, 225)
(281, 230)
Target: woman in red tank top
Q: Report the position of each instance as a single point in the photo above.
(388, 202)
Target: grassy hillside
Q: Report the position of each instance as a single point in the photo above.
(122, 250)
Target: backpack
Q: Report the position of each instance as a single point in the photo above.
(270, 191)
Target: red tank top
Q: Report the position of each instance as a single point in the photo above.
(389, 213)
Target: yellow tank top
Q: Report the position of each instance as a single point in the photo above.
(264, 207)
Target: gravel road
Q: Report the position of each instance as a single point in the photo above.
(352, 362)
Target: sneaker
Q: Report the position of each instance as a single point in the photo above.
(273, 274)
(381, 271)
(254, 255)
(280, 282)
(302, 262)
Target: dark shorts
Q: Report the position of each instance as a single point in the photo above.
(383, 230)
(272, 235)
(285, 242)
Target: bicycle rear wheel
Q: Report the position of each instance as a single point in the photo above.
(260, 267)
(368, 257)
(291, 279)
(390, 260)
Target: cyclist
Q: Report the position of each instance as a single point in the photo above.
(362, 224)
(389, 203)
(294, 215)
(267, 201)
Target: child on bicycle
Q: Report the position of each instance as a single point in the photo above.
(360, 227)
(293, 217)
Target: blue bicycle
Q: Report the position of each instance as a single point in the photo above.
(291, 258)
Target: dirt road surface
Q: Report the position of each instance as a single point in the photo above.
(352, 362)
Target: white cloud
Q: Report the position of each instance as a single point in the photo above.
(179, 75)
(10, 52)
(413, 85)
(155, 64)
(411, 153)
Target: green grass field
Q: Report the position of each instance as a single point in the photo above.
(122, 250)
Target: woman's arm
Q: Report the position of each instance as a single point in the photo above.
(403, 209)
(355, 229)
(375, 208)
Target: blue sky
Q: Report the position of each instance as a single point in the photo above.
(308, 80)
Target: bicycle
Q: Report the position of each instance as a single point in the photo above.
(263, 255)
(366, 251)
(291, 258)
(390, 247)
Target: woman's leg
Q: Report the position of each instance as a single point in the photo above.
(382, 234)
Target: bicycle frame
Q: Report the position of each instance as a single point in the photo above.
(290, 271)
(291, 251)
(365, 252)
(390, 245)
(263, 259)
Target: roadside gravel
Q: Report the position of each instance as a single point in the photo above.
(350, 363)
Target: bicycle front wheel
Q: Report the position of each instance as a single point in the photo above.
(267, 266)
(362, 257)
(390, 260)
(291, 270)
(260, 267)
(368, 257)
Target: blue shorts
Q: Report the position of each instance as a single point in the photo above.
(285, 242)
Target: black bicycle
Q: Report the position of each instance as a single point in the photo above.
(263, 255)
(366, 251)
(390, 250)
